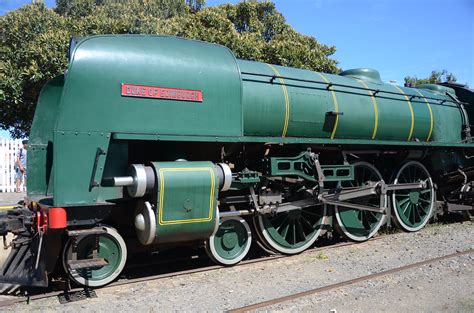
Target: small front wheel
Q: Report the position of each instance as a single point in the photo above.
(231, 242)
(111, 248)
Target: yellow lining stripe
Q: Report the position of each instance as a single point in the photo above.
(376, 110)
(431, 115)
(162, 194)
(287, 100)
(411, 111)
(8, 207)
(336, 106)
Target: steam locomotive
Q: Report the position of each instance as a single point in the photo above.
(151, 142)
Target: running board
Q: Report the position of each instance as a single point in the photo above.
(88, 231)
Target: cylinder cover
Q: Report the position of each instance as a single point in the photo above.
(186, 203)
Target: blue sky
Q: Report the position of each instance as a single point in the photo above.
(396, 37)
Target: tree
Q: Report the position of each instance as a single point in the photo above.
(434, 78)
(34, 40)
(154, 8)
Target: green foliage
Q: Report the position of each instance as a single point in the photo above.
(434, 78)
(121, 8)
(34, 40)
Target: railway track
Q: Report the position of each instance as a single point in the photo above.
(57, 293)
(349, 282)
(86, 292)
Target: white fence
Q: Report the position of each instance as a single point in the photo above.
(9, 149)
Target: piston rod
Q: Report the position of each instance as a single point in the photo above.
(122, 181)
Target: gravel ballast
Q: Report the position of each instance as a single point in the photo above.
(440, 286)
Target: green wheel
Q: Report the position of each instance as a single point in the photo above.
(360, 225)
(111, 247)
(412, 209)
(231, 242)
(293, 231)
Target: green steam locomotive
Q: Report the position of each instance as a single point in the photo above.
(150, 142)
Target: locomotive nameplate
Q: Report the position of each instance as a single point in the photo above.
(156, 92)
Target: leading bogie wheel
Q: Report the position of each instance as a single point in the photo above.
(355, 224)
(231, 242)
(413, 208)
(112, 248)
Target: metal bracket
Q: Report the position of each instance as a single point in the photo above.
(254, 198)
(319, 171)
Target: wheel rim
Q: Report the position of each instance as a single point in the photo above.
(231, 242)
(293, 231)
(111, 247)
(413, 208)
(360, 225)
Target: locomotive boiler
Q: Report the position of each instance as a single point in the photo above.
(149, 142)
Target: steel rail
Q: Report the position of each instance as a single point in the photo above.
(346, 283)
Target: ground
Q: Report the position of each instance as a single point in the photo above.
(441, 286)
(11, 198)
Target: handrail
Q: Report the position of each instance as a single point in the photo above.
(330, 84)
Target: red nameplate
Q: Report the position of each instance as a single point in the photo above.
(156, 92)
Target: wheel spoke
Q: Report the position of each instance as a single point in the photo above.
(404, 180)
(415, 215)
(285, 230)
(419, 210)
(405, 207)
(373, 215)
(402, 202)
(306, 223)
(284, 222)
(294, 232)
(299, 227)
(362, 179)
